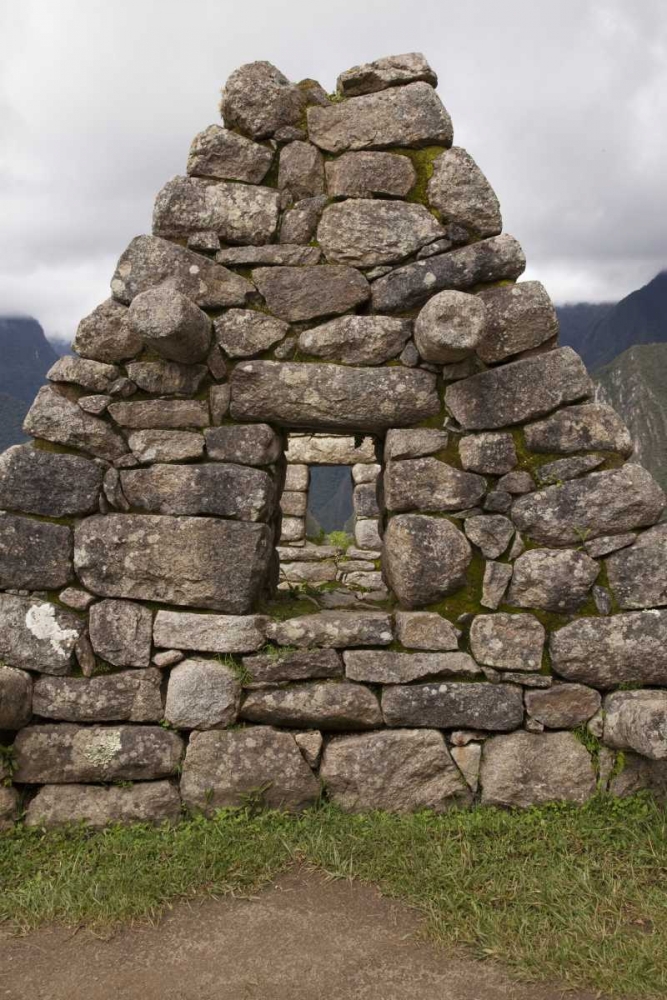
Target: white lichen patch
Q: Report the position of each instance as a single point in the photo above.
(41, 621)
(99, 747)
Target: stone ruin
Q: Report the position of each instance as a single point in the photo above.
(328, 284)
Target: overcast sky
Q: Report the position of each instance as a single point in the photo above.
(563, 103)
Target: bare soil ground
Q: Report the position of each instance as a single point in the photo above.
(304, 938)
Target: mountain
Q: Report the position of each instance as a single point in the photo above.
(25, 357)
(600, 332)
(12, 412)
(330, 496)
(635, 384)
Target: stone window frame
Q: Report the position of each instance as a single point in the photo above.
(362, 452)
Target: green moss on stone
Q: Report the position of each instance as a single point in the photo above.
(422, 160)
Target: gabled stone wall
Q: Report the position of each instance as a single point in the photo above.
(328, 279)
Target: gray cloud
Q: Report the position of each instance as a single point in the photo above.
(561, 102)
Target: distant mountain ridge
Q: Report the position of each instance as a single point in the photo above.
(25, 357)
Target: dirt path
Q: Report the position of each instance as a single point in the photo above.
(303, 939)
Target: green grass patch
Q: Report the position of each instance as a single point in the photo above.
(575, 895)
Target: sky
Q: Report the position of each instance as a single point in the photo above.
(563, 104)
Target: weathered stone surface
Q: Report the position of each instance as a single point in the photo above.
(297, 477)
(166, 378)
(194, 562)
(202, 694)
(15, 698)
(425, 630)
(309, 553)
(34, 555)
(519, 317)
(171, 324)
(390, 71)
(424, 558)
(244, 332)
(366, 232)
(266, 669)
(149, 260)
(332, 396)
(280, 254)
(450, 326)
(415, 443)
(120, 632)
(429, 484)
(397, 771)
(499, 258)
(203, 241)
(494, 584)
(222, 769)
(209, 633)
(454, 705)
(405, 116)
(36, 635)
(362, 175)
(518, 391)
(333, 629)
(357, 340)
(160, 414)
(166, 446)
(639, 773)
(92, 375)
(491, 533)
(323, 705)
(300, 222)
(47, 484)
(604, 652)
(600, 504)
(96, 405)
(382, 666)
(637, 720)
(218, 152)
(589, 427)
(492, 453)
(566, 468)
(55, 418)
(294, 504)
(606, 544)
(258, 100)
(323, 449)
(254, 444)
(105, 335)
(74, 597)
(462, 194)
(310, 744)
(563, 706)
(97, 805)
(301, 171)
(367, 581)
(219, 399)
(65, 753)
(128, 696)
(507, 642)
(468, 759)
(223, 489)
(526, 769)
(638, 575)
(516, 483)
(295, 293)
(367, 534)
(552, 579)
(237, 213)
(292, 529)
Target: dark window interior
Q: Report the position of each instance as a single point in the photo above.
(329, 500)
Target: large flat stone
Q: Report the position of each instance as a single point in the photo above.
(149, 260)
(60, 421)
(220, 153)
(499, 258)
(121, 632)
(507, 641)
(244, 332)
(638, 575)
(202, 694)
(528, 769)
(296, 294)
(383, 666)
(223, 489)
(454, 705)
(605, 652)
(36, 635)
(65, 753)
(166, 446)
(518, 318)
(209, 633)
(552, 579)
(238, 213)
(337, 629)
(335, 449)
(563, 706)
(395, 771)
(281, 254)
(48, 484)
(424, 558)
(362, 175)
(461, 193)
(425, 630)
(128, 696)
(106, 335)
(34, 555)
(322, 705)
(357, 340)
(413, 443)
(367, 232)
(97, 805)
(193, 562)
(332, 396)
(403, 116)
(429, 484)
(167, 378)
(390, 71)
(305, 664)
(254, 444)
(160, 414)
(519, 391)
(222, 769)
(602, 503)
(588, 427)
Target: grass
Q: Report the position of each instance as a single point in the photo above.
(575, 895)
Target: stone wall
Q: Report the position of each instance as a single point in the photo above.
(329, 282)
